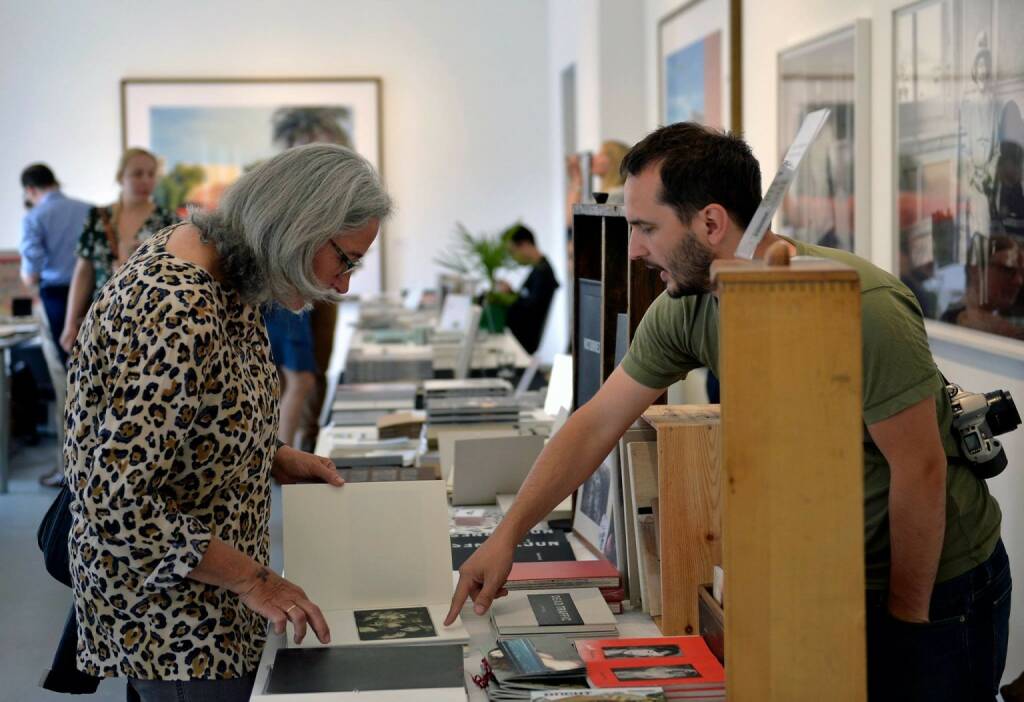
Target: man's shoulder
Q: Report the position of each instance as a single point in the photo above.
(871, 276)
(59, 202)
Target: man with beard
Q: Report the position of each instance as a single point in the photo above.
(936, 571)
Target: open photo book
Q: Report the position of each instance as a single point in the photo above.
(376, 559)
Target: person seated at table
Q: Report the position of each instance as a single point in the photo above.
(172, 428)
(529, 313)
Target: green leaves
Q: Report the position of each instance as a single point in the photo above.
(476, 254)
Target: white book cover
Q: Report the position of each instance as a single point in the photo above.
(446, 442)
(484, 468)
(563, 610)
(376, 559)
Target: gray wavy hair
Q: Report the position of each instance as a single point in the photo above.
(273, 220)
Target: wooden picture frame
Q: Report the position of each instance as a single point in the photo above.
(207, 131)
(699, 64)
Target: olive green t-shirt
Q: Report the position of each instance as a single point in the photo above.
(679, 335)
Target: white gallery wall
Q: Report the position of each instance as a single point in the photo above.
(977, 361)
(465, 106)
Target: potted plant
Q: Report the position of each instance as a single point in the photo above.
(482, 255)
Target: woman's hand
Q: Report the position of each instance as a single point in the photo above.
(281, 601)
(68, 336)
(294, 466)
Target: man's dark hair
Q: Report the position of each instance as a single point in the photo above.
(700, 166)
(38, 175)
(521, 234)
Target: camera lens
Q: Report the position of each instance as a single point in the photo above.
(1002, 412)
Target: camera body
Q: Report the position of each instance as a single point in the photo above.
(977, 419)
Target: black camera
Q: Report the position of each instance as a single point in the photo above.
(977, 419)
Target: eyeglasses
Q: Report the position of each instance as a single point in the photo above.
(347, 264)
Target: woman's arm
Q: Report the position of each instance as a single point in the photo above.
(83, 281)
(260, 589)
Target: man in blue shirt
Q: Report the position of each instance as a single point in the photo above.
(49, 234)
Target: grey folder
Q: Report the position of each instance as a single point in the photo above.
(483, 468)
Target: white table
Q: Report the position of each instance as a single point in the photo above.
(10, 336)
(481, 640)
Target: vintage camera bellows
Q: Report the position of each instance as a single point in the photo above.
(977, 419)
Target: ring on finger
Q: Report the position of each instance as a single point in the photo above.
(288, 610)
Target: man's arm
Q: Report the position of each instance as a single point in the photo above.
(33, 252)
(564, 464)
(910, 442)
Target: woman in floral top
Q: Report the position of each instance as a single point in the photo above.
(171, 434)
(112, 234)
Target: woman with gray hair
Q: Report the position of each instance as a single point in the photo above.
(172, 423)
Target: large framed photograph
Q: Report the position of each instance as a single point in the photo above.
(699, 67)
(207, 132)
(828, 202)
(959, 97)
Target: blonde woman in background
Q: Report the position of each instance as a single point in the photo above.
(605, 165)
(111, 235)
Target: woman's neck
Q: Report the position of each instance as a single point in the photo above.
(135, 204)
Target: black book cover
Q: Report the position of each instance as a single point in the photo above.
(299, 670)
(555, 609)
(540, 545)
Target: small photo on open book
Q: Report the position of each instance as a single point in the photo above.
(663, 651)
(656, 672)
(397, 623)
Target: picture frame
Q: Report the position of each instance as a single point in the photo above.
(699, 64)
(829, 201)
(207, 131)
(958, 108)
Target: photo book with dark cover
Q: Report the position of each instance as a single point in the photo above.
(361, 669)
(540, 545)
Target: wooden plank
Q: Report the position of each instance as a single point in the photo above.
(689, 490)
(643, 475)
(792, 464)
(807, 270)
(614, 287)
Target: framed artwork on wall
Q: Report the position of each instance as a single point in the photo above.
(828, 202)
(699, 69)
(209, 131)
(959, 103)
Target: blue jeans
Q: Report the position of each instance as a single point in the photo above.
(231, 690)
(959, 655)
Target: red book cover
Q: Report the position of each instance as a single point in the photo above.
(566, 570)
(670, 662)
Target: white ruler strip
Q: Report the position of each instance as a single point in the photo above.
(773, 198)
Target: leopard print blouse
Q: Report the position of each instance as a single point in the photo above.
(171, 421)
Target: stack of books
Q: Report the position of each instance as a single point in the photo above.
(470, 387)
(680, 665)
(472, 410)
(378, 363)
(548, 575)
(388, 396)
(519, 667)
(573, 612)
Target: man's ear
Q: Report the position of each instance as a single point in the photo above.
(716, 223)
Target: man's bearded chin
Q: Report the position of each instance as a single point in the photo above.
(689, 268)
